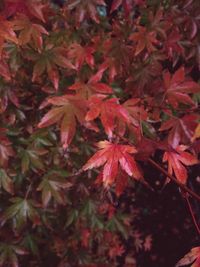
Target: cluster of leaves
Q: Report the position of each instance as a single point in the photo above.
(85, 99)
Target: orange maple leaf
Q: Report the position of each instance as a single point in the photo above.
(67, 110)
(111, 156)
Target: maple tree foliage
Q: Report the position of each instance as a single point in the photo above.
(88, 96)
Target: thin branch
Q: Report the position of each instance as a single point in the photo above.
(192, 214)
(171, 177)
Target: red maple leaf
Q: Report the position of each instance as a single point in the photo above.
(81, 54)
(109, 63)
(144, 39)
(29, 7)
(176, 159)
(127, 5)
(172, 45)
(177, 88)
(6, 149)
(109, 111)
(117, 56)
(180, 130)
(84, 9)
(90, 88)
(136, 112)
(29, 31)
(111, 156)
(67, 110)
(6, 33)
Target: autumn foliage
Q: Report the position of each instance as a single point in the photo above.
(90, 92)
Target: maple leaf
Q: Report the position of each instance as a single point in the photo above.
(52, 186)
(127, 5)
(192, 257)
(6, 182)
(28, 7)
(177, 88)
(81, 54)
(86, 90)
(180, 130)
(4, 70)
(176, 159)
(20, 211)
(8, 254)
(6, 149)
(115, 5)
(144, 74)
(109, 63)
(117, 58)
(85, 9)
(6, 33)
(148, 243)
(144, 39)
(116, 250)
(138, 243)
(31, 158)
(49, 60)
(111, 156)
(136, 112)
(85, 237)
(157, 23)
(109, 110)
(67, 109)
(29, 31)
(172, 45)
(7, 94)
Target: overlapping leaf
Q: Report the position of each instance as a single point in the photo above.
(177, 159)
(9, 253)
(4, 70)
(144, 39)
(109, 111)
(84, 9)
(81, 55)
(20, 211)
(177, 88)
(49, 60)
(6, 33)
(135, 110)
(6, 182)
(6, 150)
(29, 31)
(31, 158)
(111, 156)
(180, 130)
(52, 186)
(86, 90)
(29, 7)
(127, 5)
(67, 109)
